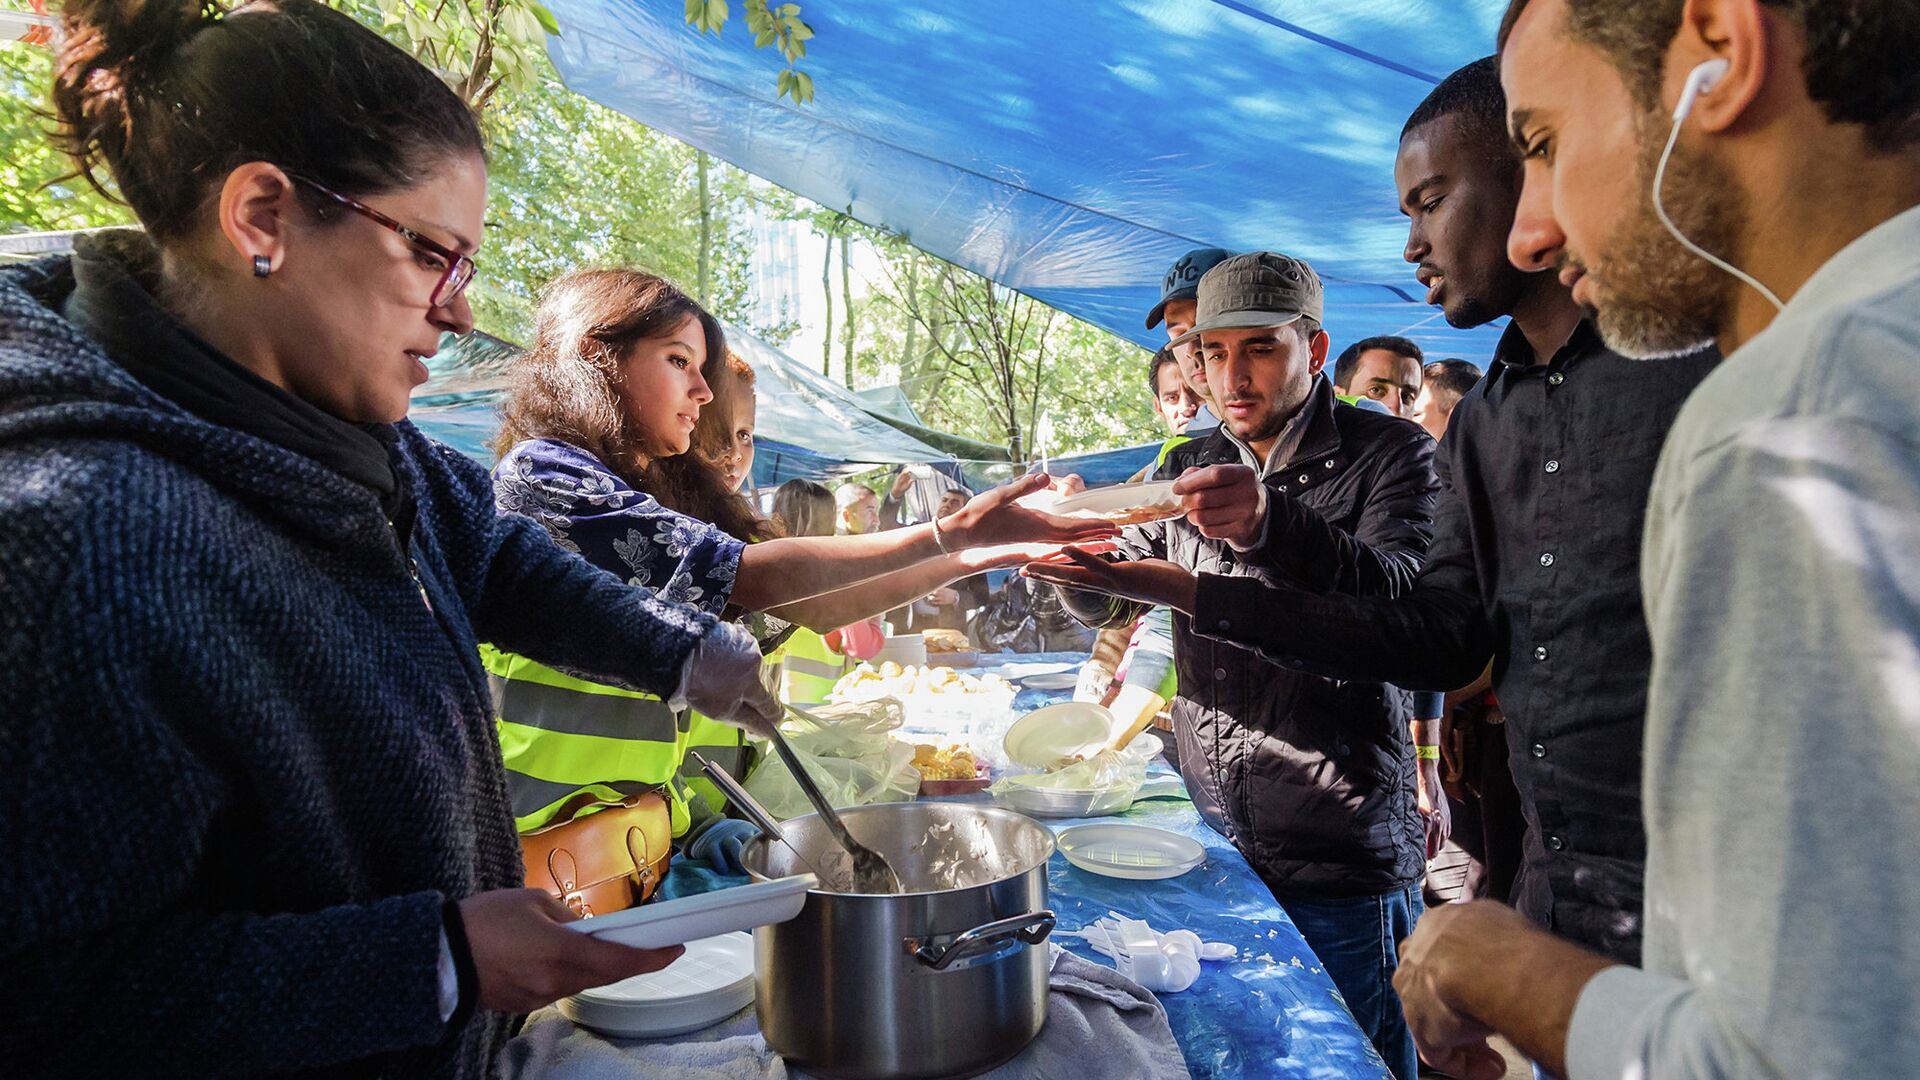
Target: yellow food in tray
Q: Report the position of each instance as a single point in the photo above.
(944, 763)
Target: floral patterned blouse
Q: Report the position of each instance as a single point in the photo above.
(589, 510)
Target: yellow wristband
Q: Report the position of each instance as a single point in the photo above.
(1427, 752)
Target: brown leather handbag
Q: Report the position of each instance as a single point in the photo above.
(602, 856)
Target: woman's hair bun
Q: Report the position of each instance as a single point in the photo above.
(112, 48)
(171, 96)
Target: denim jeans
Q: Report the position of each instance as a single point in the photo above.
(1358, 942)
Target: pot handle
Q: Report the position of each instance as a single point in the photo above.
(1031, 928)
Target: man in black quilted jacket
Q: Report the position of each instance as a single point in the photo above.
(1311, 778)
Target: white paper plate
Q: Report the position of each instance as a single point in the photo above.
(1043, 737)
(711, 982)
(690, 918)
(1121, 500)
(1019, 670)
(1052, 680)
(1130, 851)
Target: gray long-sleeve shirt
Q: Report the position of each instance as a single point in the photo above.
(1782, 578)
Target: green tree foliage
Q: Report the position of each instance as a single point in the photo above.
(575, 184)
(478, 46)
(29, 162)
(571, 183)
(772, 25)
(988, 363)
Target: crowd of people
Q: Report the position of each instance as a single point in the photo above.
(1624, 543)
(1631, 614)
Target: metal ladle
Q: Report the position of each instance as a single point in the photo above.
(750, 806)
(871, 871)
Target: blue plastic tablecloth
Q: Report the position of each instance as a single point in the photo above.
(1272, 1011)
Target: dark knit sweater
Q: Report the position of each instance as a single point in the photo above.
(243, 765)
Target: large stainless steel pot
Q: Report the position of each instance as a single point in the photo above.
(944, 980)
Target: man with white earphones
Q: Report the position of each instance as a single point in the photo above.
(1745, 172)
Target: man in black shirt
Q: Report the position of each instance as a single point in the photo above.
(1535, 560)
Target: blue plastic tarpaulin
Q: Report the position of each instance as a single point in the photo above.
(1072, 151)
(810, 427)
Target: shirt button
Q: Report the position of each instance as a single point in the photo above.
(1539, 750)
(1556, 379)
(1327, 464)
(1219, 673)
(1223, 625)
(1556, 843)
(1546, 559)
(1539, 652)
(1304, 477)
(1553, 466)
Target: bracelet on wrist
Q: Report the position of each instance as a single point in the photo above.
(939, 538)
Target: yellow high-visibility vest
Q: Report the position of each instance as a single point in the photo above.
(560, 735)
(809, 668)
(1166, 448)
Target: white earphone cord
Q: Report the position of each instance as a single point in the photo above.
(1659, 178)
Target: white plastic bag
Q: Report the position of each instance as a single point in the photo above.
(850, 730)
(1114, 771)
(852, 758)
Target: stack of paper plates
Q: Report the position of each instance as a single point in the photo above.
(711, 982)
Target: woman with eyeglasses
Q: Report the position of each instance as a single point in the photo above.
(595, 445)
(257, 821)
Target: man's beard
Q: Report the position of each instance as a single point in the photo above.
(1655, 298)
(1284, 405)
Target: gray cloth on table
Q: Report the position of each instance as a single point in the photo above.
(1093, 1014)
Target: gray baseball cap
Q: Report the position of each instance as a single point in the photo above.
(1183, 278)
(1260, 288)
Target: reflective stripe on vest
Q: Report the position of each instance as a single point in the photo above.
(560, 735)
(809, 668)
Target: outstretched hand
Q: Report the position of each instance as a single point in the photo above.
(1007, 556)
(998, 517)
(1150, 581)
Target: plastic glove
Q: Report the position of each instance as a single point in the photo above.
(1095, 678)
(723, 681)
(721, 843)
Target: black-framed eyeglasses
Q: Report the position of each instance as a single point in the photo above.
(453, 280)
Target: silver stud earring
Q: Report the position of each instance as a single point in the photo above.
(262, 266)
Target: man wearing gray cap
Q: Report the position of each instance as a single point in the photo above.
(1311, 778)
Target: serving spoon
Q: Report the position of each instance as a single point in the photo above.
(871, 871)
